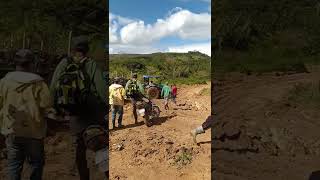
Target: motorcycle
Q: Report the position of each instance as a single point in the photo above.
(96, 139)
(148, 111)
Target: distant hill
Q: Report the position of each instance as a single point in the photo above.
(186, 68)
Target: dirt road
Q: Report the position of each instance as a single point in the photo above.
(147, 152)
(260, 134)
(163, 150)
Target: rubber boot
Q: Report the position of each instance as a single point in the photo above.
(195, 132)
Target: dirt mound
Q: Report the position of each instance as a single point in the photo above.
(164, 150)
(255, 122)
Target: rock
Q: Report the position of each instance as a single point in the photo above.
(120, 147)
(169, 142)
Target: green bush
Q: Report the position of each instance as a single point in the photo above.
(179, 68)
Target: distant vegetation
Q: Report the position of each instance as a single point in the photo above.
(44, 25)
(180, 68)
(256, 36)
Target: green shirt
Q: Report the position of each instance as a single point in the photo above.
(166, 90)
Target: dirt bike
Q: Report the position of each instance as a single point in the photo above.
(148, 110)
(96, 139)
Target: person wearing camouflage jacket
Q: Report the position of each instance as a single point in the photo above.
(24, 102)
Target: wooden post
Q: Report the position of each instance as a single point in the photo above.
(28, 43)
(41, 45)
(11, 41)
(69, 43)
(24, 40)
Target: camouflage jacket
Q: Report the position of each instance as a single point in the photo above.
(24, 102)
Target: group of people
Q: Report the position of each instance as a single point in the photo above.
(77, 92)
(169, 93)
(134, 92)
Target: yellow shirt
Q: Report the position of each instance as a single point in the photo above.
(116, 94)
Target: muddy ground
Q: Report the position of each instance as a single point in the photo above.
(59, 161)
(146, 153)
(165, 150)
(260, 134)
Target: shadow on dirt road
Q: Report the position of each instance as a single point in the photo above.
(204, 142)
(128, 126)
(160, 120)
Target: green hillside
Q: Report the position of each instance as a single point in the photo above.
(180, 68)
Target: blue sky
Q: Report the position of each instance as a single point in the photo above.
(135, 26)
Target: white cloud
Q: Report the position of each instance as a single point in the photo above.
(181, 23)
(204, 48)
(115, 22)
(133, 36)
(131, 49)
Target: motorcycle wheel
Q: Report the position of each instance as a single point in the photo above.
(147, 120)
(155, 111)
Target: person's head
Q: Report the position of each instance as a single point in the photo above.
(24, 59)
(116, 80)
(134, 76)
(151, 81)
(79, 47)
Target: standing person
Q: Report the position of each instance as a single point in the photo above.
(201, 129)
(165, 93)
(24, 102)
(80, 95)
(116, 101)
(174, 93)
(135, 91)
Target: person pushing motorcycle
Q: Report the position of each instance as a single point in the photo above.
(134, 91)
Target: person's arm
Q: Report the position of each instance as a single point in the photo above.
(127, 85)
(45, 98)
(99, 82)
(162, 91)
(123, 93)
(56, 75)
(110, 92)
(141, 87)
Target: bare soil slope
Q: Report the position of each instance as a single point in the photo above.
(162, 151)
(259, 134)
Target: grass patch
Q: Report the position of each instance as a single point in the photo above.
(205, 92)
(305, 94)
(189, 81)
(261, 61)
(183, 158)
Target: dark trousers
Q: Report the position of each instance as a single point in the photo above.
(208, 123)
(21, 149)
(134, 109)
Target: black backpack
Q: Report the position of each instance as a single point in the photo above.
(73, 87)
